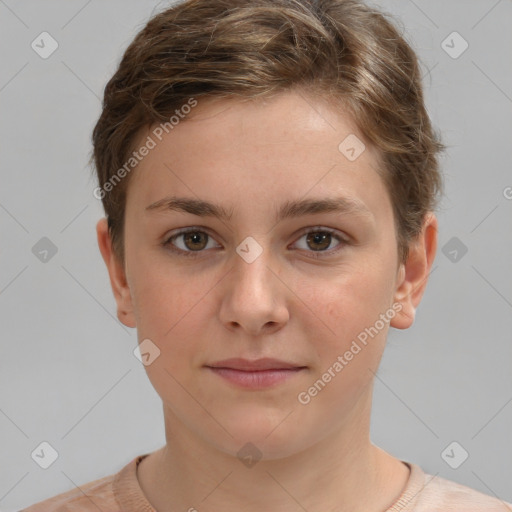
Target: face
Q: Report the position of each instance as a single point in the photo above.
(302, 285)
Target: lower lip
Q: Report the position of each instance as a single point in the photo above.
(256, 379)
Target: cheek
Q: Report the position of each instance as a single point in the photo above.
(342, 322)
(171, 314)
(161, 293)
(171, 309)
(345, 304)
(349, 351)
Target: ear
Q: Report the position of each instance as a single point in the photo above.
(116, 271)
(412, 276)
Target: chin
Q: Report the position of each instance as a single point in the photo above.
(268, 436)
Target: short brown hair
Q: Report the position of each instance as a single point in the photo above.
(341, 50)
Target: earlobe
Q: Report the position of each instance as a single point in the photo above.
(117, 275)
(413, 276)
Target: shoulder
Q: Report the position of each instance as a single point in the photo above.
(93, 496)
(113, 493)
(441, 494)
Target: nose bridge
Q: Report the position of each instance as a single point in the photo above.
(251, 297)
(254, 299)
(252, 262)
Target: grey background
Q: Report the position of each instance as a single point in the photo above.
(68, 375)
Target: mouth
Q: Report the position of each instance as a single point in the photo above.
(257, 374)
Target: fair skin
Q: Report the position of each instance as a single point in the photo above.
(250, 158)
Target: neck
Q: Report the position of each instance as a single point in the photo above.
(341, 472)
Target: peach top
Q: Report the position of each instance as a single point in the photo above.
(121, 492)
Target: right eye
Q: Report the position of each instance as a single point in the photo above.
(193, 239)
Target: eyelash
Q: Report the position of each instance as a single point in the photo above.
(194, 254)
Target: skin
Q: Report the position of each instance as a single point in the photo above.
(251, 157)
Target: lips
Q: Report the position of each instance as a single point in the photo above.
(255, 375)
(256, 365)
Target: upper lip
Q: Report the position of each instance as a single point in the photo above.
(257, 364)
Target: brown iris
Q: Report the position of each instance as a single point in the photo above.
(195, 238)
(319, 237)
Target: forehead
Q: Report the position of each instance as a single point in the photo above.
(245, 152)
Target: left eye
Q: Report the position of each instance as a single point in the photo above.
(322, 239)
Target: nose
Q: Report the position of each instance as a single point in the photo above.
(254, 297)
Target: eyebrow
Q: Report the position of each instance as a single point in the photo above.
(289, 209)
